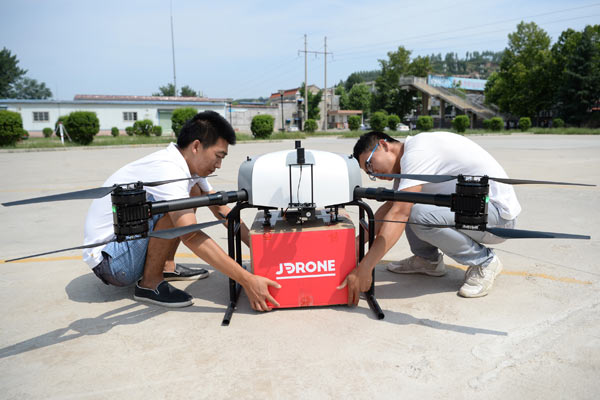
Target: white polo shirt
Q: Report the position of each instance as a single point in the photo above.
(161, 165)
(446, 153)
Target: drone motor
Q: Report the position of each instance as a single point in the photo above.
(131, 212)
(470, 202)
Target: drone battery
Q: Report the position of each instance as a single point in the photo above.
(309, 261)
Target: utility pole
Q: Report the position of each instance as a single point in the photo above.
(173, 49)
(325, 53)
(305, 81)
(325, 98)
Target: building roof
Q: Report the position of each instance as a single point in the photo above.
(124, 100)
(159, 99)
(345, 112)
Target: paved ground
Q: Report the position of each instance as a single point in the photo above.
(63, 334)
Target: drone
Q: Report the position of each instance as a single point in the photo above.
(300, 187)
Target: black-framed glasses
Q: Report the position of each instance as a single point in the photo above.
(368, 165)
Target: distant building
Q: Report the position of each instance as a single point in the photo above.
(112, 111)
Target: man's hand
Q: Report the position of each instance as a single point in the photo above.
(257, 289)
(359, 280)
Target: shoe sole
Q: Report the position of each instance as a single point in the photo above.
(187, 278)
(429, 273)
(163, 304)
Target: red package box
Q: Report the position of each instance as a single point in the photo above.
(309, 261)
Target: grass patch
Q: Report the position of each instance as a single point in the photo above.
(565, 131)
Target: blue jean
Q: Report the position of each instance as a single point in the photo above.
(463, 246)
(123, 262)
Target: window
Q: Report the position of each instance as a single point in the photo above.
(129, 116)
(41, 116)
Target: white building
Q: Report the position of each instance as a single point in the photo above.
(112, 111)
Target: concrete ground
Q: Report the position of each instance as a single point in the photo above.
(63, 334)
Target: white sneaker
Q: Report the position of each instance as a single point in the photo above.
(419, 265)
(479, 280)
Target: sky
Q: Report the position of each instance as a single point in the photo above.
(246, 49)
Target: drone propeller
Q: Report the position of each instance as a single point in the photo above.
(505, 232)
(162, 234)
(95, 193)
(446, 178)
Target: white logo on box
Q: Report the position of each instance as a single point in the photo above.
(310, 269)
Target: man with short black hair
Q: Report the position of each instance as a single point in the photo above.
(432, 153)
(148, 263)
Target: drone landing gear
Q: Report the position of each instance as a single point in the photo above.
(234, 241)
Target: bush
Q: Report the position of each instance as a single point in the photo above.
(424, 123)
(496, 124)
(487, 124)
(82, 126)
(142, 127)
(180, 117)
(558, 123)
(354, 122)
(262, 126)
(11, 127)
(378, 121)
(63, 119)
(310, 125)
(47, 132)
(157, 130)
(129, 131)
(24, 134)
(460, 123)
(393, 121)
(524, 124)
(114, 131)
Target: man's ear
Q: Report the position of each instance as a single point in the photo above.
(384, 144)
(196, 146)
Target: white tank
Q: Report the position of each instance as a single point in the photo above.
(277, 179)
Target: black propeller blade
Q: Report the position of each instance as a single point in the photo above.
(446, 178)
(162, 234)
(523, 234)
(95, 193)
(505, 232)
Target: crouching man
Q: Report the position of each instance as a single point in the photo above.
(147, 263)
(432, 153)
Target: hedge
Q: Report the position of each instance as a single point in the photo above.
(424, 123)
(82, 126)
(11, 127)
(354, 122)
(262, 126)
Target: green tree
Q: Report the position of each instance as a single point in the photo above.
(344, 101)
(523, 85)
(180, 116)
(388, 95)
(353, 79)
(26, 88)
(167, 90)
(576, 73)
(187, 91)
(314, 111)
(359, 98)
(10, 72)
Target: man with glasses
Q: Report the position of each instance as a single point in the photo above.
(432, 153)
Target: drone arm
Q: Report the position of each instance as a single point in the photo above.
(218, 198)
(381, 194)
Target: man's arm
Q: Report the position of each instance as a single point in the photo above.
(221, 212)
(359, 280)
(207, 249)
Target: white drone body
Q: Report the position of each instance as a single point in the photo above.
(298, 178)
